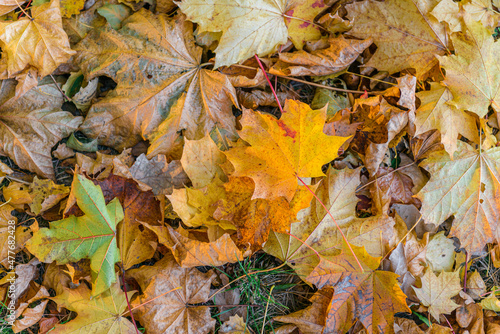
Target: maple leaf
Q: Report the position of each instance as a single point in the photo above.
(201, 159)
(318, 234)
(7, 6)
(435, 113)
(31, 124)
(101, 314)
(371, 296)
(39, 41)
(406, 35)
(336, 58)
(161, 89)
(472, 73)
(173, 312)
(252, 27)
(436, 292)
(466, 187)
(90, 236)
(296, 149)
(134, 241)
(311, 320)
(192, 253)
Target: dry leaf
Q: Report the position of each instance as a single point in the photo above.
(436, 292)
(406, 35)
(174, 288)
(296, 149)
(40, 41)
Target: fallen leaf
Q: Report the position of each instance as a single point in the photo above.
(201, 160)
(296, 149)
(465, 187)
(311, 320)
(336, 58)
(440, 253)
(39, 41)
(32, 124)
(235, 325)
(90, 236)
(136, 243)
(45, 194)
(370, 296)
(161, 90)
(101, 314)
(159, 175)
(435, 113)
(31, 316)
(171, 311)
(253, 27)
(436, 292)
(193, 253)
(471, 74)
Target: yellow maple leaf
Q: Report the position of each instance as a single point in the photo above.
(298, 148)
(472, 74)
(38, 40)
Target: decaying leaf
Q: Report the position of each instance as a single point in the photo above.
(161, 90)
(173, 289)
(406, 34)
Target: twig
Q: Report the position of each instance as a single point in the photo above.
(265, 313)
(128, 302)
(311, 83)
(59, 88)
(269, 82)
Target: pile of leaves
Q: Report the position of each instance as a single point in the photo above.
(152, 148)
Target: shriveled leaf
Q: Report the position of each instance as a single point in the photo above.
(337, 57)
(406, 35)
(171, 312)
(436, 292)
(46, 194)
(40, 42)
(101, 314)
(296, 149)
(466, 187)
(192, 253)
(90, 236)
